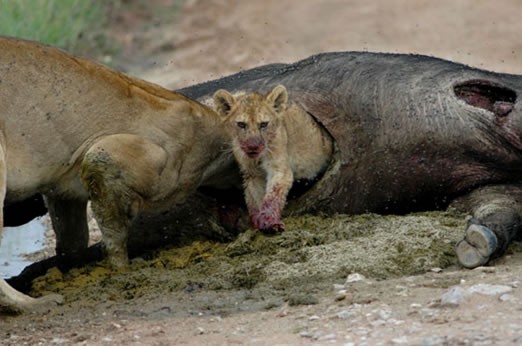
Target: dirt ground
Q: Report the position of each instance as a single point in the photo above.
(363, 280)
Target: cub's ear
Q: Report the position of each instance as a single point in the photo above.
(223, 102)
(278, 98)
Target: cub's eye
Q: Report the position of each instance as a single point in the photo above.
(241, 124)
(263, 125)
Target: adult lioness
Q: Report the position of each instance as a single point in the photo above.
(274, 143)
(74, 130)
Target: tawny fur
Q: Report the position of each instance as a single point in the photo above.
(74, 130)
(275, 143)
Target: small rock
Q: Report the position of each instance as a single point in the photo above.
(428, 315)
(313, 318)
(327, 337)
(506, 297)
(453, 297)
(435, 341)
(340, 295)
(490, 290)
(400, 341)
(377, 323)
(344, 314)
(486, 269)
(59, 341)
(436, 270)
(338, 287)
(200, 331)
(282, 313)
(384, 314)
(415, 306)
(306, 334)
(354, 278)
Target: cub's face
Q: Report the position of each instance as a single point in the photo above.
(252, 119)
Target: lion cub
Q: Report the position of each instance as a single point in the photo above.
(274, 143)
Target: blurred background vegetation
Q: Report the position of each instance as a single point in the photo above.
(93, 28)
(74, 25)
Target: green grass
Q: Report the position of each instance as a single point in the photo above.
(67, 24)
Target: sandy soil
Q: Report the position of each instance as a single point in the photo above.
(297, 289)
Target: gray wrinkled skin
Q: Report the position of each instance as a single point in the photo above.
(412, 133)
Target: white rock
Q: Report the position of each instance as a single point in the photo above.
(354, 278)
(340, 295)
(400, 341)
(327, 337)
(453, 297)
(490, 290)
(437, 340)
(485, 269)
(428, 314)
(344, 314)
(506, 297)
(60, 341)
(384, 314)
(306, 334)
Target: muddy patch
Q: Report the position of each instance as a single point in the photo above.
(266, 271)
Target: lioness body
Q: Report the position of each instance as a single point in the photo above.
(74, 130)
(274, 144)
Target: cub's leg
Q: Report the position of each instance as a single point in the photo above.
(279, 182)
(120, 172)
(496, 220)
(69, 218)
(254, 187)
(10, 299)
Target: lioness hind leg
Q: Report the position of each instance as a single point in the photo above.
(119, 172)
(10, 299)
(13, 301)
(69, 218)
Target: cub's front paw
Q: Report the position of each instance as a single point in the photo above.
(268, 221)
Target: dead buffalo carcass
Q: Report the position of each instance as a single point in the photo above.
(412, 133)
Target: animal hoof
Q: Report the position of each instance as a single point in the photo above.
(477, 246)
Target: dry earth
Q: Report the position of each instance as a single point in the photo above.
(294, 289)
